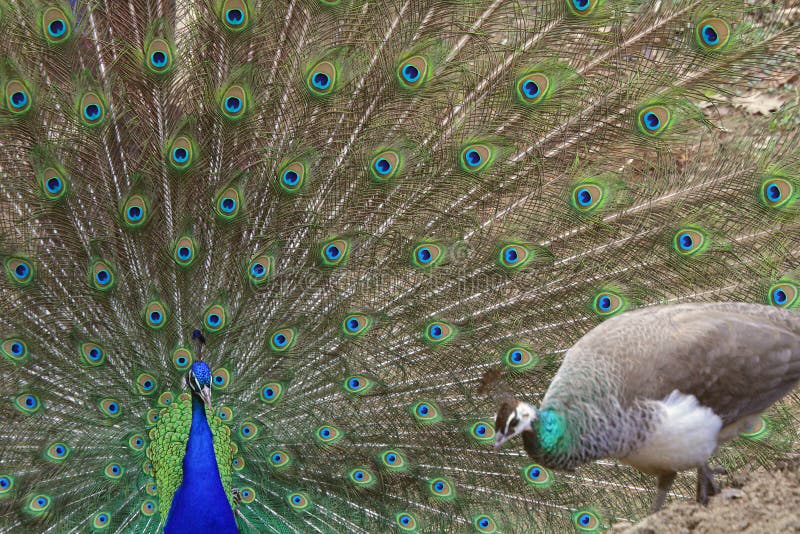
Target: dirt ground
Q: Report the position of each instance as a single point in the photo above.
(761, 502)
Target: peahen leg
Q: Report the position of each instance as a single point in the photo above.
(663, 486)
(707, 485)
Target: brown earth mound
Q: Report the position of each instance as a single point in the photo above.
(761, 502)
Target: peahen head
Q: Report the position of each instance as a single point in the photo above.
(513, 418)
(199, 380)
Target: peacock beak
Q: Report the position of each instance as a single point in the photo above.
(205, 393)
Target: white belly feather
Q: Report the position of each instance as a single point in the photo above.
(686, 436)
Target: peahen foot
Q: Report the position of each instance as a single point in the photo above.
(662, 488)
(707, 485)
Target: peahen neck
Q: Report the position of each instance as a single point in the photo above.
(565, 436)
(201, 499)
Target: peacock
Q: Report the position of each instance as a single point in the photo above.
(273, 265)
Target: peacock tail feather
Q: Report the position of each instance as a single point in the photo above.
(381, 215)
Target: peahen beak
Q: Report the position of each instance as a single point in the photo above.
(205, 393)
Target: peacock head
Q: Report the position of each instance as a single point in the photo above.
(199, 380)
(513, 418)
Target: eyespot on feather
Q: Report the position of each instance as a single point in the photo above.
(56, 25)
(321, 79)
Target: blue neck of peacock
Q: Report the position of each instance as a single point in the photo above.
(201, 499)
(200, 470)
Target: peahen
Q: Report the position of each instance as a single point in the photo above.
(687, 378)
(268, 265)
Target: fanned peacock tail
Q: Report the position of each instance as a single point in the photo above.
(375, 212)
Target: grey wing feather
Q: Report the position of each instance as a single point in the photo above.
(736, 358)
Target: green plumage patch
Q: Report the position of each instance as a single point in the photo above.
(168, 439)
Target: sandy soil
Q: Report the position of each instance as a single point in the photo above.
(761, 502)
